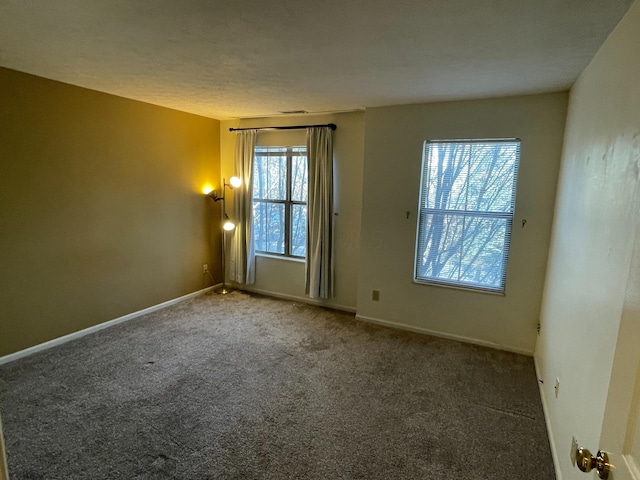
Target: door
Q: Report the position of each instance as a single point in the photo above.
(620, 436)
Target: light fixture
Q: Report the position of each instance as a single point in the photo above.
(227, 224)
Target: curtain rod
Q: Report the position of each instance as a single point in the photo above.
(332, 126)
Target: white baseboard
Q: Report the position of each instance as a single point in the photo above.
(4, 472)
(545, 411)
(449, 336)
(95, 328)
(297, 298)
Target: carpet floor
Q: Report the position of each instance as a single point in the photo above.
(247, 387)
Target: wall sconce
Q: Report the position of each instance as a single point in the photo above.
(227, 226)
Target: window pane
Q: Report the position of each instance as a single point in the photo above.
(483, 251)
(270, 177)
(439, 246)
(260, 225)
(268, 225)
(299, 178)
(462, 249)
(472, 176)
(298, 230)
(491, 178)
(446, 175)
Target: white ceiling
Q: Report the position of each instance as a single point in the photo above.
(246, 58)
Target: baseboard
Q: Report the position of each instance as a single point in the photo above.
(449, 336)
(297, 298)
(545, 411)
(95, 328)
(4, 472)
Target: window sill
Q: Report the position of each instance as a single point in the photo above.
(281, 257)
(459, 287)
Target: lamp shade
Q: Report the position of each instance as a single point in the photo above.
(235, 182)
(228, 225)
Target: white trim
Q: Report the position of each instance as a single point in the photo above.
(110, 323)
(281, 257)
(449, 336)
(297, 298)
(4, 472)
(547, 419)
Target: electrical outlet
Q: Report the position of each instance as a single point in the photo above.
(375, 295)
(205, 268)
(556, 387)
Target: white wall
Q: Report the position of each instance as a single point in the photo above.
(596, 224)
(393, 154)
(286, 278)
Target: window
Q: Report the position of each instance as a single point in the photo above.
(467, 199)
(280, 200)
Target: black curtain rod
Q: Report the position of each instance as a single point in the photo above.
(332, 126)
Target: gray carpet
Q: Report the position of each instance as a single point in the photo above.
(248, 387)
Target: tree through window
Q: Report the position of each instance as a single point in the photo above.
(280, 200)
(467, 200)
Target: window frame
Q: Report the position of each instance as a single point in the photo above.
(508, 216)
(288, 202)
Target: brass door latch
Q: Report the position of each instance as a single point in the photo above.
(587, 462)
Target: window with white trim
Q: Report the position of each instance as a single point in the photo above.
(467, 201)
(280, 200)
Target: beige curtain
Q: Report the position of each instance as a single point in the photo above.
(319, 261)
(242, 252)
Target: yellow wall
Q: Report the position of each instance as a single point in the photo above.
(101, 213)
(393, 155)
(595, 228)
(277, 276)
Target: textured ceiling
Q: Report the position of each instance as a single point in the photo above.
(256, 58)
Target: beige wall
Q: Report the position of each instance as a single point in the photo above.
(595, 228)
(100, 207)
(393, 154)
(286, 277)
